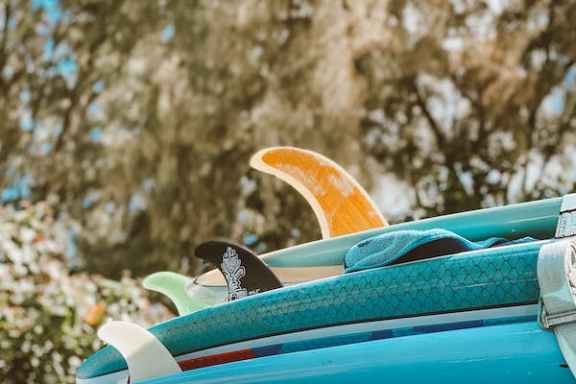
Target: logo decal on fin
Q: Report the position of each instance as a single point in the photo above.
(234, 270)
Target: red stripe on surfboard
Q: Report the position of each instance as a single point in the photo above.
(208, 361)
(222, 358)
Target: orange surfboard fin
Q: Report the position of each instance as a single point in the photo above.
(340, 203)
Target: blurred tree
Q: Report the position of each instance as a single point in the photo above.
(48, 317)
(139, 117)
(477, 107)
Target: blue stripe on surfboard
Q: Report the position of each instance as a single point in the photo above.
(391, 333)
(268, 350)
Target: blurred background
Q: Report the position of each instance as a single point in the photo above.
(126, 128)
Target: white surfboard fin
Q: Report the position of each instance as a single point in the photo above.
(145, 355)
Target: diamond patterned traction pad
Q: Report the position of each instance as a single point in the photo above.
(473, 280)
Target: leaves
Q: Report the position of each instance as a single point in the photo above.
(48, 317)
(141, 127)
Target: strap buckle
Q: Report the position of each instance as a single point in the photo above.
(549, 321)
(566, 225)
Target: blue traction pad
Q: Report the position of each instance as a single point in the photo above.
(388, 248)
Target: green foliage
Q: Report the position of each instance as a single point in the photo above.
(139, 117)
(48, 317)
(478, 106)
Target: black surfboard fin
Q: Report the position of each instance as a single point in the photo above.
(245, 273)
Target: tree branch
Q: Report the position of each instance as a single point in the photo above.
(439, 136)
(4, 41)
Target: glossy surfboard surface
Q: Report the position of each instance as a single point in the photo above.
(517, 353)
(496, 277)
(493, 353)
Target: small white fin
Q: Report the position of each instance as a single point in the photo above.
(145, 355)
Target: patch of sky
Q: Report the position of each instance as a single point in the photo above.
(17, 191)
(62, 56)
(45, 148)
(68, 68)
(67, 65)
(453, 43)
(553, 104)
(98, 86)
(538, 58)
(110, 207)
(493, 177)
(248, 185)
(466, 179)
(8, 71)
(412, 19)
(168, 33)
(244, 216)
(90, 199)
(95, 109)
(26, 122)
(148, 185)
(12, 23)
(498, 6)
(71, 246)
(392, 196)
(48, 50)
(570, 79)
(96, 134)
(482, 25)
(51, 8)
(25, 96)
(250, 239)
(137, 202)
(57, 130)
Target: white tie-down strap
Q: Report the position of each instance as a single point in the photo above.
(557, 280)
(145, 355)
(567, 219)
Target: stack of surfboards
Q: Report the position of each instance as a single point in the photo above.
(504, 314)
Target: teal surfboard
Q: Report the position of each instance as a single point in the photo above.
(485, 279)
(515, 353)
